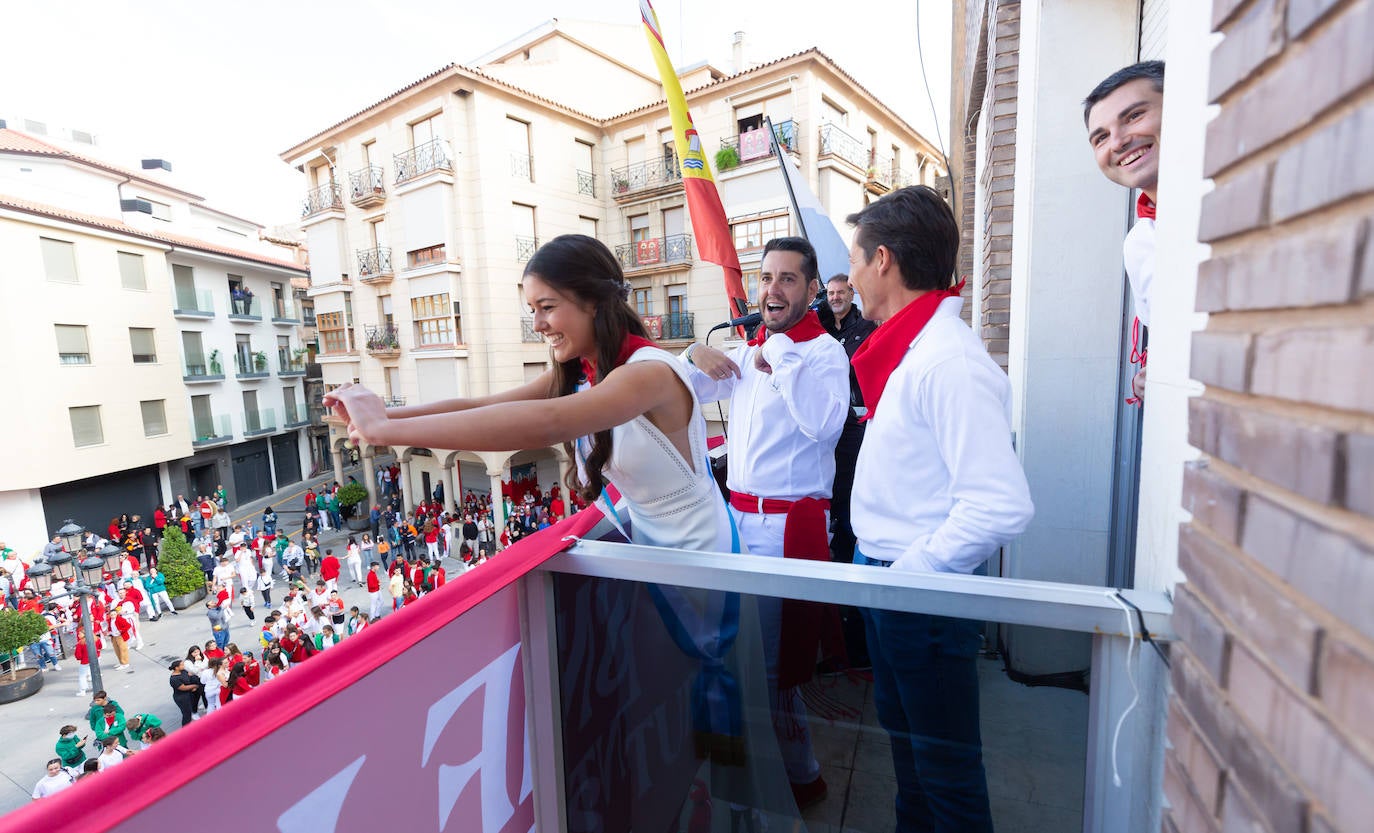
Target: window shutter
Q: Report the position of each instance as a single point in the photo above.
(154, 417)
(143, 344)
(86, 426)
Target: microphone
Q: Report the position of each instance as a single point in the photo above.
(750, 320)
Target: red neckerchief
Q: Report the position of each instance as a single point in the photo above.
(627, 349)
(880, 354)
(1144, 207)
(807, 328)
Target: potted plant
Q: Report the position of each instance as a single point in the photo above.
(185, 580)
(350, 495)
(621, 184)
(727, 158)
(216, 369)
(16, 631)
(260, 361)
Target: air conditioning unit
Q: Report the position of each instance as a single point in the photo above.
(156, 164)
(142, 206)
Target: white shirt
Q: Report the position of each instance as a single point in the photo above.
(52, 784)
(1138, 252)
(783, 425)
(938, 486)
(110, 758)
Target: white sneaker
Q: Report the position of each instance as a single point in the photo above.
(195, 717)
(57, 668)
(81, 694)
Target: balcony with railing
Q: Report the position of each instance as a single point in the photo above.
(522, 166)
(210, 429)
(244, 305)
(251, 365)
(586, 183)
(263, 421)
(655, 252)
(194, 303)
(673, 326)
(284, 312)
(366, 188)
(752, 145)
(425, 158)
(374, 265)
(644, 178)
(294, 416)
(197, 370)
(290, 363)
(836, 143)
(383, 341)
(525, 247)
(884, 176)
(319, 200)
(527, 331)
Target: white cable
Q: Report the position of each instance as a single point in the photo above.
(1130, 674)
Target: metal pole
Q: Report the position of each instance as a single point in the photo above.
(92, 647)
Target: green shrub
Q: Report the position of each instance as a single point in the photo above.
(20, 629)
(350, 495)
(726, 158)
(179, 565)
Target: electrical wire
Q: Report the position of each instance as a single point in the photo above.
(1130, 674)
(935, 114)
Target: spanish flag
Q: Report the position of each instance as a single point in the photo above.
(714, 241)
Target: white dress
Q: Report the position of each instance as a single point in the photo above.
(667, 501)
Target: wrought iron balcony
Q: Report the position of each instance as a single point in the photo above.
(366, 186)
(679, 325)
(525, 247)
(383, 341)
(324, 198)
(836, 142)
(656, 173)
(374, 265)
(586, 183)
(527, 333)
(522, 166)
(422, 159)
(753, 145)
(656, 251)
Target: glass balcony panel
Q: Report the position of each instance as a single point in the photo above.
(208, 429)
(259, 421)
(194, 302)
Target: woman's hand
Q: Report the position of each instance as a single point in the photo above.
(360, 408)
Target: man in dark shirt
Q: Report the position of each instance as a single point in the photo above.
(847, 324)
(185, 690)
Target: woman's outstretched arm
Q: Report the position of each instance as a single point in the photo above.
(537, 388)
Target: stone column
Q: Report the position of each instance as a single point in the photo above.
(564, 467)
(337, 454)
(450, 487)
(498, 509)
(406, 503)
(370, 477)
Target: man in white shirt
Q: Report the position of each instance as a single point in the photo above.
(55, 781)
(789, 394)
(937, 488)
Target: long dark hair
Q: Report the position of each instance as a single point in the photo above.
(581, 267)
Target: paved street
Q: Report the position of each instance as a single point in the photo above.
(29, 727)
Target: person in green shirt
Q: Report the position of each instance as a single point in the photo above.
(111, 724)
(138, 727)
(69, 747)
(334, 517)
(95, 715)
(322, 504)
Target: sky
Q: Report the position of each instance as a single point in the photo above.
(221, 90)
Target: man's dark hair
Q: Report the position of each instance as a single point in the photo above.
(1153, 70)
(810, 269)
(918, 228)
(838, 276)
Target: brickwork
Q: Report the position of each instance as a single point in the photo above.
(1271, 717)
(998, 176)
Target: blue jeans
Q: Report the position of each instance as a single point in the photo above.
(42, 650)
(925, 689)
(221, 637)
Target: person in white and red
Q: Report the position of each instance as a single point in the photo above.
(937, 488)
(789, 395)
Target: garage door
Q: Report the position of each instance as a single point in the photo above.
(94, 501)
(252, 474)
(286, 458)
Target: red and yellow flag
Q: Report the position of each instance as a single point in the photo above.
(714, 240)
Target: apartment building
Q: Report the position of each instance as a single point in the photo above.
(135, 346)
(423, 208)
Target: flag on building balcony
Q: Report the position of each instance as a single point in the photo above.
(815, 224)
(714, 240)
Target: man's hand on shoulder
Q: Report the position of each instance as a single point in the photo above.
(713, 362)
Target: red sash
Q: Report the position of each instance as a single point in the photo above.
(880, 354)
(804, 536)
(1144, 207)
(627, 349)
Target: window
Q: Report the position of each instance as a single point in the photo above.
(425, 130)
(280, 307)
(194, 349)
(751, 289)
(518, 141)
(161, 210)
(755, 231)
(639, 228)
(72, 347)
(143, 345)
(426, 256)
(288, 397)
(202, 418)
(154, 417)
(587, 226)
(131, 273)
(832, 113)
(433, 324)
(333, 335)
(644, 301)
(86, 426)
(59, 259)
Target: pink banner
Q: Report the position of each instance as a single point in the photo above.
(416, 724)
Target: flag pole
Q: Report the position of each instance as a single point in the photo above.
(787, 180)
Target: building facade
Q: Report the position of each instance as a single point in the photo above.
(133, 342)
(423, 208)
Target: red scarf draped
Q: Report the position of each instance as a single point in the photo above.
(1144, 207)
(807, 328)
(627, 349)
(880, 354)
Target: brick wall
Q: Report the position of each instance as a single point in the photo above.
(997, 176)
(1271, 719)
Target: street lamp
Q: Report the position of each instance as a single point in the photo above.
(79, 584)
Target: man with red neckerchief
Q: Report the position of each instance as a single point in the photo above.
(789, 395)
(937, 488)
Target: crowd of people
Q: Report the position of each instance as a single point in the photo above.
(116, 736)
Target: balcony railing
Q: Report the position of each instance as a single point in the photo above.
(421, 159)
(308, 317)
(394, 401)
(525, 247)
(244, 306)
(656, 173)
(522, 166)
(194, 303)
(324, 198)
(586, 183)
(294, 417)
(835, 142)
(366, 188)
(197, 370)
(251, 366)
(753, 144)
(679, 325)
(527, 333)
(374, 265)
(211, 429)
(284, 312)
(259, 422)
(655, 251)
(883, 176)
(288, 365)
(383, 340)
